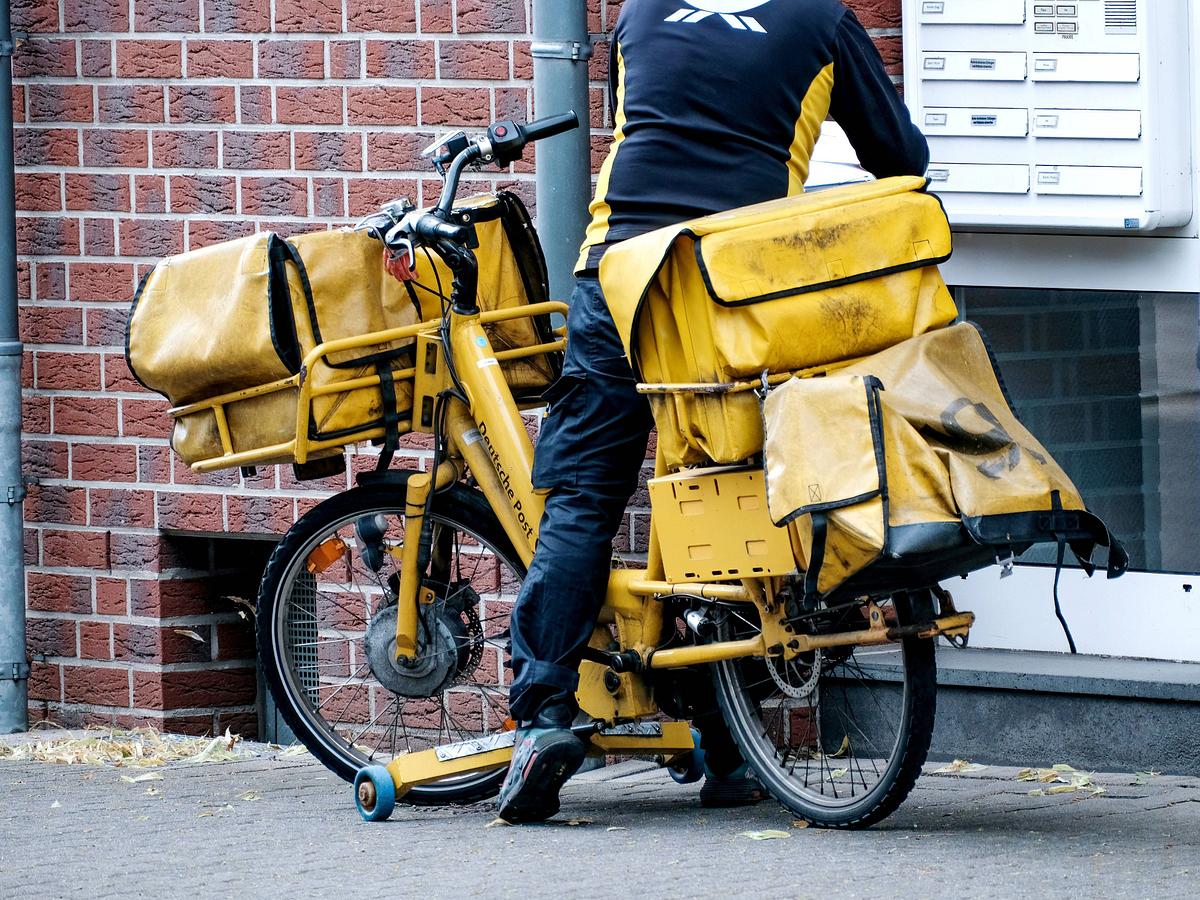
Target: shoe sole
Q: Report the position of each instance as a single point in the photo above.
(535, 799)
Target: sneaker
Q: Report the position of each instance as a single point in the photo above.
(738, 788)
(542, 761)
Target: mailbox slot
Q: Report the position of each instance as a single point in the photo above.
(978, 178)
(1098, 124)
(1088, 181)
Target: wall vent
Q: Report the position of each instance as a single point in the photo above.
(1120, 16)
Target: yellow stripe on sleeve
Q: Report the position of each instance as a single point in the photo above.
(813, 112)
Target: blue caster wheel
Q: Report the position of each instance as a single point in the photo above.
(374, 793)
(688, 768)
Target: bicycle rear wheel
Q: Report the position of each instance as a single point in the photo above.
(326, 633)
(833, 741)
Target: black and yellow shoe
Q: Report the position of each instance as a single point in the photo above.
(543, 759)
(739, 788)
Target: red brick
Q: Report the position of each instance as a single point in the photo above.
(329, 197)
(50, 637)
(205, 232)
(203, 104)
(130, 103)
(45, 459)
(308, 105)
(115, 147)
(58, 593)
(892, 51)
(236, 16)
(68, 371)
(474, 59)
(220, 59)
(492, 16)
(149, 59)
(455, 106)
(308, 15)
(46, 146)
(165, 644)
(38, 57)
(384, 15)
(110, 597)
(75, 549)
(24, 280)
(274, 196)
(260, 515)
(209, 688)
(95, 15)
(85, 415)
(257, 149)
(437, 16)
(254, 101)
(96, 59)
(104, 192)
(117, 377)
(34, 15)
(118, 508)
(393, 151)
(102, 687)
(328, 150)
(166, 15)
(51, 325)
(401, 59)
(522, 60)
(190, 512)
(60, 103)
(184, 149)
(167, 598)
(291, 59)
(47, 235)
(104, 462)
(368, 194)
(877, 13)
(106, 327)
(94, 281)
(235, 640)
(203, 194)
(136, 552)
(145, 418)
(150, 237)
(35, 414)
(345, 59)
(513, 103)
(381, 106)
(95, 640)
(45, 682)
(149, 194)
(39, 191)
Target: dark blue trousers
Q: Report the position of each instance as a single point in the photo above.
(589, 455)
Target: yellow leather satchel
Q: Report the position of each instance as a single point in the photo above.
(779, 287)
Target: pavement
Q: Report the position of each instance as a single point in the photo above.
(280, 825)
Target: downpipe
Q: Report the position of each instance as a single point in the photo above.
(561, 49)
(14, 669)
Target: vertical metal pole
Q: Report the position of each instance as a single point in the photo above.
(561, 50)
(14, 671)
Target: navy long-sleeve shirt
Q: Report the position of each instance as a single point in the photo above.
(718, 104)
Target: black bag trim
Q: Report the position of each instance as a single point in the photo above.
(137, 295)
(279, 303)
(809, 288)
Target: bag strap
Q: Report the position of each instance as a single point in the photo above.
(820, 530)
(391, 416)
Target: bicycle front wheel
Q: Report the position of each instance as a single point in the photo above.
(326, 633)
(834, 742)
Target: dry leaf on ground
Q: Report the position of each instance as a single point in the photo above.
(189, 633)
(136, 748)
(1063, 779)
(769, 835)
(959, 765)
(148, 776)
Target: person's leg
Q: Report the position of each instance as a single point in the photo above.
(588, 457)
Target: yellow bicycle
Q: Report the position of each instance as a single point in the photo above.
(383, 613)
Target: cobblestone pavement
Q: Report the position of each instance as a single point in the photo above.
(274, 826)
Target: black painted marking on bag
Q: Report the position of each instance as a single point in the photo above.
(137, 295)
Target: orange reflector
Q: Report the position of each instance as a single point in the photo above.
(325, 555)
(510, 724)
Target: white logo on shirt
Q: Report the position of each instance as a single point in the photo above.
(726, 9)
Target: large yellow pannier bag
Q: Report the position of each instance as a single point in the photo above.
(778, 287)
(913, 457)
(244, 314)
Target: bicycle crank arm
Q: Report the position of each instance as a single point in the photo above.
(494, 752)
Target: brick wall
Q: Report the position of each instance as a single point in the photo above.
(149, 127)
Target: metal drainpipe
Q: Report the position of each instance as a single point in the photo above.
(14, 671)
(561, 50)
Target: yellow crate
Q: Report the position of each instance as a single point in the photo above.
(712, 525)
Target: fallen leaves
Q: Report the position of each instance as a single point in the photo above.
(189, 633)
(1141, 778)
(137, 748)
(1063, 779)
(959, 766)
(148, 776)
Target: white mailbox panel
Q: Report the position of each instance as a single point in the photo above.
(973, 12)
(975, 122)
(1098, 124)
(972, 178)
(1071, 116)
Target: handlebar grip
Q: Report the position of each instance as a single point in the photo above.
(550, 126)
(431, 228)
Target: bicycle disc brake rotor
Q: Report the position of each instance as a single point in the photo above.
(445, 642)
(791, 680)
